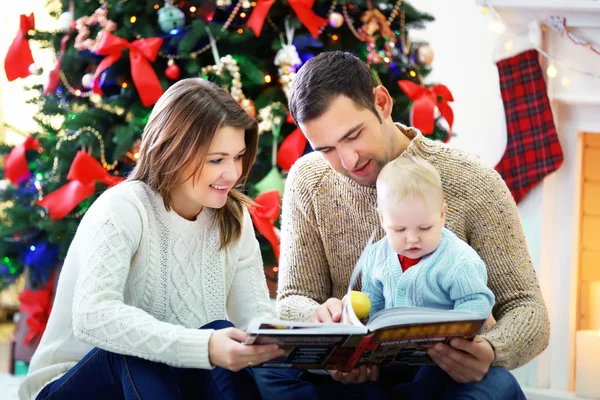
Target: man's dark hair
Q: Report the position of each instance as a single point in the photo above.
(327, 76)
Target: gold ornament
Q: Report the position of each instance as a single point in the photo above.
(336, 20)
(425, 54)
(134, 153)
(249, 106)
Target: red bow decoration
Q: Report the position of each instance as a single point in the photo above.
(425, 99)
(140, 52)
(302, 8)
(19, 57)
(291, 149)
(15, 163)
(54, 75)
(85, 171)
(37, 304)
(290, 119)
(265, 212)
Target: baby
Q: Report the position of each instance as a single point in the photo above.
(420, 263)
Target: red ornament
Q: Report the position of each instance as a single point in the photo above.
(172, 72)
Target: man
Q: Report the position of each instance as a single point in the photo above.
(329, 213)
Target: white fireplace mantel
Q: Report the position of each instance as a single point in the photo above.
(551, 210)
(579, 13)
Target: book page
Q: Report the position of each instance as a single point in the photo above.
(348, 315)
(416, 315)
(274, 326)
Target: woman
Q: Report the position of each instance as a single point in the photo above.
(169, 251)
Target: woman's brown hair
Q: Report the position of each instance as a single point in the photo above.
(179, 132)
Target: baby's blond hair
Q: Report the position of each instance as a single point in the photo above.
(409, 177)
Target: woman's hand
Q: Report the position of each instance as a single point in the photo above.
(226, 350)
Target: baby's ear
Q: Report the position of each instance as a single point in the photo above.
(444, 208)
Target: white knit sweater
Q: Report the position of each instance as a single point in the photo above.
(139, 280)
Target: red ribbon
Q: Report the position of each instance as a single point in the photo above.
(265, 212)
(290, 119)
(425, 99)
(54, 75)
(37, 304)
(140, 53)
(85, 171)
(15, 163)
(302, 8)
(291, 149)
(19, 57)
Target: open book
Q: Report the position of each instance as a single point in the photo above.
(399, 335)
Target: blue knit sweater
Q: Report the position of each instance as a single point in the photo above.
(453, 277)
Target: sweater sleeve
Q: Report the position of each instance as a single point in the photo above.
(494, 230)
(249, 295)
(466, 285)
(304, 276)
(110, 238)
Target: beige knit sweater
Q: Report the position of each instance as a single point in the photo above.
(327, 219)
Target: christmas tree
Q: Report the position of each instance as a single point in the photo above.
(116, 57)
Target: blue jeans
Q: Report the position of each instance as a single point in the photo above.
(105, 375)
(428, 382)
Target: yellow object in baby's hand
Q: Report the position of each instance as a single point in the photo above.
(360, 303)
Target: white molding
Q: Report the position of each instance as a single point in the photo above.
(548, 394)
(549, 5)
(579, 13)
(577, 99)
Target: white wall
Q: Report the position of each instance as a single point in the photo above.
(463, 62)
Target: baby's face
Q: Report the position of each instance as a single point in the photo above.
(413, 225)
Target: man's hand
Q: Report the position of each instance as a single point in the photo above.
(330, 311)
(463, 360)
(357, 375)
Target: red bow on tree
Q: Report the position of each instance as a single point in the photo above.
(265, 212)
(54, 75)
(140, 53)
(15, 163)
(85, 171)
(19, 57)
(302, 8)
(291, 149)
(425, 99)
(37, 304)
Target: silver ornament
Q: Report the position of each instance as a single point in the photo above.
(170, 18)
(65, 21)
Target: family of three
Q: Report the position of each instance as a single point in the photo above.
(165, 272)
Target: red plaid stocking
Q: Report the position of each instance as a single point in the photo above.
(532, 149)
